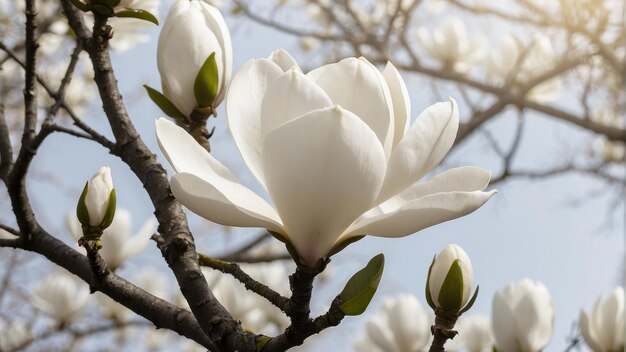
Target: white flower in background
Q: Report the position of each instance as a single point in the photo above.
(603, 329)
(474, 335)
(522, 317)
(128, 32)
(192, 31)
(452, 257)
(215, 3)
(401, 325)
(523, 63)
(118, 243)
(153, 282)
(452, 46)
(255, 312)
(60, 297)
(111, 309)
(96, 200)
(13, 334)
(327, 146)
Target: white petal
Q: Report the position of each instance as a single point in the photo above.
(503, 322)
(380, 334)
(136, 243)
(356, 85)
(208, 188)
(215, 21)
(73, 225)
(410, 323)
(289, 96)
(284, 60)
(462, 179)
(243, 108)
(419, 214)
(322, 171)
(401, 101)
(422, 148)
(588, 331)
(535, 318)
(224, 202)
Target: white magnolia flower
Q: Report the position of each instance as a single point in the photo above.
(524, 62)
(443, 263)
(522, 317)
(128, 32)
(603, 329)
(256, 313)
(118, 243)
(97, 196)
(452, 46)
(327, 146)
(13, 334)
(192, 31)
(153, 282)
(401, 325)
(474, 335)
(60, 297)
(111, 309)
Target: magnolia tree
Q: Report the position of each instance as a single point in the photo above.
(333, 148)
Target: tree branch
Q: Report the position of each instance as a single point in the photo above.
(6, 150)
(250, 284)
(30, 92)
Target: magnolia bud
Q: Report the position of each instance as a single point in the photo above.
(194, 56)
(522, 317)
(450, 280)
(96, 206)
(603, 329)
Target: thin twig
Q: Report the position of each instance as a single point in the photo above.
(59, 97)
(77, 121)
(250, 284)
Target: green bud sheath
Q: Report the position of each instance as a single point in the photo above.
(451, 292)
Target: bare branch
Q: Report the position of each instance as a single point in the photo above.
(30, 92)
(250, 284)
(6, 150)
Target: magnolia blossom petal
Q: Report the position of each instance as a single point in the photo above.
(206, 187)
(289, 96)
(140, 240)
(588, 331)
(243, 107)
(359, 87)
(284, 60)
(410, 323)
(461, 179)
(380, 334)
(216, 23)
(401, 101)
(606, 316)
(503, 322)
(534, 330)
(423, 147)
(328, 176)
(419, 214)
(224, 203)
